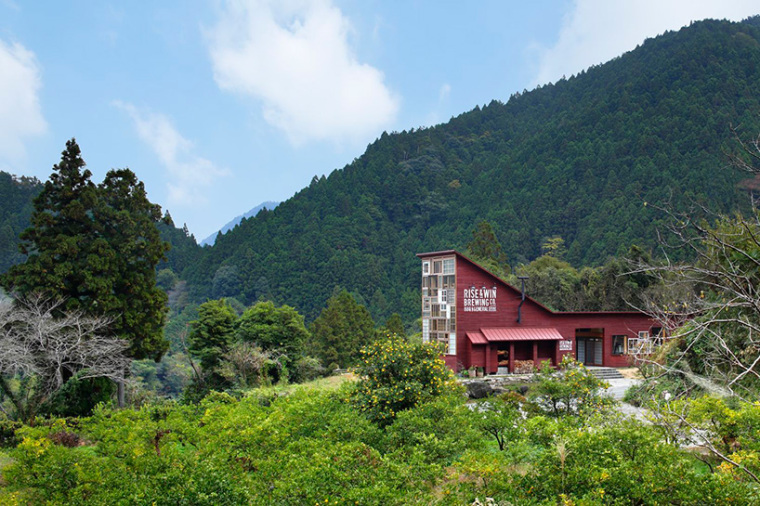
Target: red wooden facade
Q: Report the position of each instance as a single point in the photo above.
(475, 314)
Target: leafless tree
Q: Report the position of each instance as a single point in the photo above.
(41, 347)
(710, 305)
(710, 309)
(246, 364)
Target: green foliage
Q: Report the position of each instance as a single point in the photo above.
(398, 375)
(265, 345)
(78, 397)
(166, 279)
(394, 325)
(274, 328)
(96, 248)
(212, 336)
(486, 249)
(435, 432)
(571, 390)
(341, 329)
(500, 417)
(311, 446)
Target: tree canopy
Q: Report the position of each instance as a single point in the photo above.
(341, 329)
(96, 248)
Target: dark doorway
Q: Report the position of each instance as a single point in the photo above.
(588, 346)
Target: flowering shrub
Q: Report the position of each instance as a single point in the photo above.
(398, 375)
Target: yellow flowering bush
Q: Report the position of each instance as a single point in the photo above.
(396, 375)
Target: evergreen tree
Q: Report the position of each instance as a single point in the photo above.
(211, 338)
(395, 325)
(486, 249)
(97, 247)
(341, 329)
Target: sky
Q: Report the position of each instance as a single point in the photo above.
(218, 106)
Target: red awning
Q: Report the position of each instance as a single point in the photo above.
(521, 334)
(477, 338)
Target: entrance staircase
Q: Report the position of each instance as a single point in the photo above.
(605, 373)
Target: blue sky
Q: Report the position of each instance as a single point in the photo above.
(220, 105)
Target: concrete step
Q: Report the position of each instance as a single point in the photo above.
(605, 373)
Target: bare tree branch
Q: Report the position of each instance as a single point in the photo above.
(47, 346)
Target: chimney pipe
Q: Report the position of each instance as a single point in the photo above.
(522, 290)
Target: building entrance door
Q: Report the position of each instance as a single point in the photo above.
(589, 351)
(588, 346)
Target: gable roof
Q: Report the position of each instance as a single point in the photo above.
(459, 255)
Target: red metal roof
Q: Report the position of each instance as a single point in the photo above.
(521, 334)
(528, 297)
(477, 338)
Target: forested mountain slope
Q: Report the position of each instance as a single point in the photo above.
(16, 195)
(576, 159)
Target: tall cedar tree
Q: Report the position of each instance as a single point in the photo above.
(486, 249)
(97, 247)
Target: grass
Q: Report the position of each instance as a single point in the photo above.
(328, 383)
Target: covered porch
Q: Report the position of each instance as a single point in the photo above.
(513, 350)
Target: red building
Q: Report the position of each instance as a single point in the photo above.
(484, 322)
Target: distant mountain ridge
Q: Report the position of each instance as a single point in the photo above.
(270, 205)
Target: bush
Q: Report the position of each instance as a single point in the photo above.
(572, 390)
(398, 375)
(78, 396)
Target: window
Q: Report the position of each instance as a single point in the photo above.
(425, 330)
(452, 343)
(425, 267)
(437, 267)
(619, 345)
(448, 266)
(444, 295)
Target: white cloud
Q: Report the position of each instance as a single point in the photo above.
(444, 92)
(190, 174)
(595, 31)
(295, 57)
(20, 112)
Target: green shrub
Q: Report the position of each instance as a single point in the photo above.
(571, 390)
(397, 375)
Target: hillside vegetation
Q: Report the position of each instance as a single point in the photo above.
(16, 196)
(577, 159)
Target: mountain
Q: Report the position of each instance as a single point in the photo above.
(579, 159)
(209, 241)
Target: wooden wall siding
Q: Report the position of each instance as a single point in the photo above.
(533, 315)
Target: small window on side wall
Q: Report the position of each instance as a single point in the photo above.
(619, 345)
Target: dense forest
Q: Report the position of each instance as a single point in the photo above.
(16, 196)
(579, 160)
